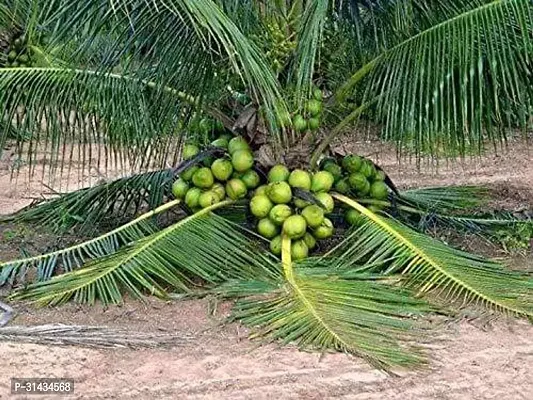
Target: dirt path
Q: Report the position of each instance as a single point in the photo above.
(467, 362)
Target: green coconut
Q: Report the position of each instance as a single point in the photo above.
(222, 169)
(352, 163)
(278, 173)
(192, 197)
(260, 206)
(314, 215)
(267, 229)
(295, 226)
(324, 231)
(180, 188)
(367, 169)
(208, 198)
(299, 123)
(314, 107)
(189, 172)
(334, 170)
(242, 160)
(358, 181)
(317, 94)
(279, 213)
(343, 186)
(310, 241)
(190, 151)
(251, 179)
(354, 217)
(279, 192)
(322, 181)
(203, 178)
(301, 203)
(300, 179)
(313, 123)
(275, 245)
(299, 250)
(326, 200)
(218, 188)
(238, 143)
(261, 190)
(379, 190)
(236, 189)
(380, 175)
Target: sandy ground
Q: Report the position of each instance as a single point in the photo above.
(468, 361)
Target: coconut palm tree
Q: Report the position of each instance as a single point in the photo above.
(125, 82)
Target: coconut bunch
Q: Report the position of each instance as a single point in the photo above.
(296, 204)
(358, 178)
(214, 179)
(309, 120)
(18, 53)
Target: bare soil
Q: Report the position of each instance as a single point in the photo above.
(468, 361)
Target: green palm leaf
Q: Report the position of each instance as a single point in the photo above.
(429, 265)
(449, 84)
(77, 255)
(202, 248)
(88, 208)
(365, 315)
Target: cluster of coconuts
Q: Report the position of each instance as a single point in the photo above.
(19, 54)
(216, 179)
(359, 178)
(280, 212)
(310, 119)
(279, 44)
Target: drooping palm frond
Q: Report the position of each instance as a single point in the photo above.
(447, 198)
(87, 208)
(428, 265)
(75, 256)
(366, 315)
(200, 249)
(450, 84)
(134, 95)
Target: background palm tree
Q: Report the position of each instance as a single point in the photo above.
(136, 78)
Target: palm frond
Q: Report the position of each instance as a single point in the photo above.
(447, 198)
(87, 208)
(450, 84)
(202, 248)
(429, 265)
(364, 316)
(75, 256)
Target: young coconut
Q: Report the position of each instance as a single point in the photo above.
(300, 179)
(260, 206)
(310, 241)
(222, 169)
(242, 160)
(278, 173)
(327, 201)
(279, 192)
(275, 245)
(324, 231)
(251, 179)
(208, 198)
(314, 215)
(322, 182)
(180, 188)
(192, 197)
(299, 250)
(190, 151)
(218, 188)
(267, 228)
(203, 178)
(236, 189)
(295, 226)
(279, 213)
(236, 144)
